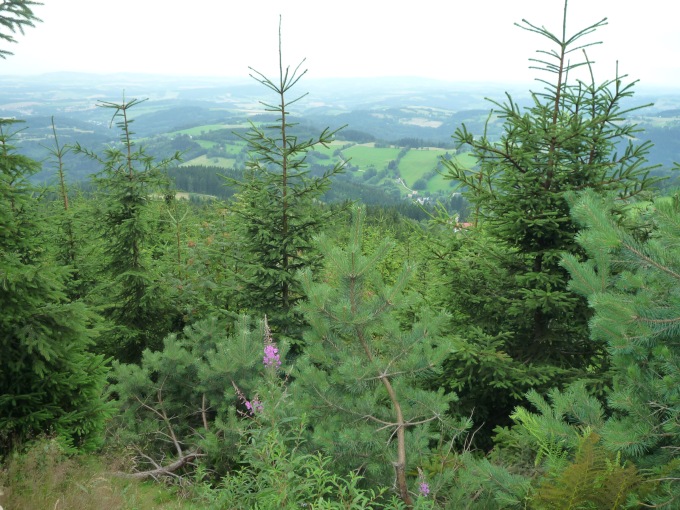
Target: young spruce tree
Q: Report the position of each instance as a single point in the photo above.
(522, 327)
(130, 293)
(49, 381)
(65, 240)
(277, 210)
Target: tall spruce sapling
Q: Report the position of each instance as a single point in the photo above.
(130, 294)
(49, 381)
(575, 135)
(360, 378)
(276, 209)
(65, 238)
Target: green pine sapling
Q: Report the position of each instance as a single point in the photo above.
(632, 282)
(360, 378)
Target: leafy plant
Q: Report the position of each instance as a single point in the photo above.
(276, 473)
(594, 480)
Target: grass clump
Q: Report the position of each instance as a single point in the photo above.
(44, 476)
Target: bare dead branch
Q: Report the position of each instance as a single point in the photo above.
(203, 413)
(168, 470)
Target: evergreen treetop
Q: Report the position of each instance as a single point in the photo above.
(277, 208)
(49, 381)
(574, 135)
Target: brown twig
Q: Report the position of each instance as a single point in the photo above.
(168, 470)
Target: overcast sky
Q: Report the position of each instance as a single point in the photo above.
(454, 40)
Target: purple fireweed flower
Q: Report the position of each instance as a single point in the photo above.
(254, 407)
(271, 356)
(271, 352)
(423, 486)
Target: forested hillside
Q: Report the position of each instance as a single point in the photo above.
(203, 118)
(308, 308)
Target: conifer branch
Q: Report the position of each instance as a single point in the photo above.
(651, 261)
(16, 16)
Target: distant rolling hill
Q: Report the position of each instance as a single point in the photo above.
(181, 114)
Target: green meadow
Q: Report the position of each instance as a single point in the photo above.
(415, 164)
(206, 144)
(331, 148)
(210, 161)
(439, 183)
(419, 162)
(367, 155)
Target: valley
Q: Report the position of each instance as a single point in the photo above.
(392, 133)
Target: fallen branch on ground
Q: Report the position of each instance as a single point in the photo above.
(168, 470)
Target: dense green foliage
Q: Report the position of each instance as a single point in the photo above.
(274, 210)
(49, 381)
(631, 280)
(132, 300)
(186, 391)
(521, 327)
(271, 350)
(361, 367)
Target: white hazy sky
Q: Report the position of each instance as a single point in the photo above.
(454, 40)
